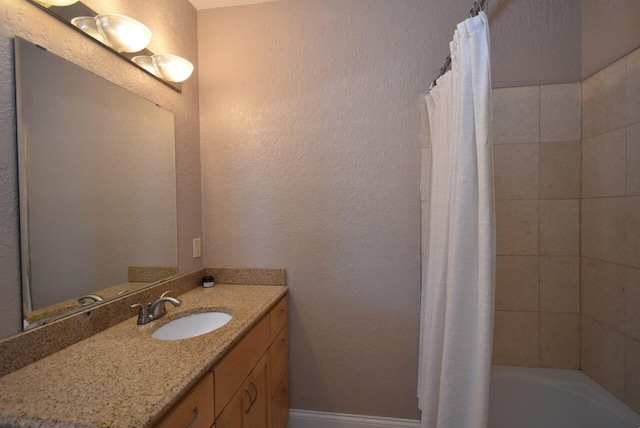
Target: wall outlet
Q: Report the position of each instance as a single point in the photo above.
(197, 248)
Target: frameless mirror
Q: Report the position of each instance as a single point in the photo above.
(97, 187)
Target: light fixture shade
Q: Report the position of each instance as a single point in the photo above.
(49, 3)
(89, 25)
(146, 62)
(172, 67)
(122, 33)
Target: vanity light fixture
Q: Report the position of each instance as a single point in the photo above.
(124, 36)
(89, 25)
(49, 3)
(122, 33)
(145, 62)
(172, 67)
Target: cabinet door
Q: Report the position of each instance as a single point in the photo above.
(280, 405)
(256, 414)
(231, 416)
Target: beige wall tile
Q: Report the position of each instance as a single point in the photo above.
(632, 303)
(603, 164)
(602, 356)
(517, 283)
(560, 170)
(560, 340)
(560, 284)
(517, 228)
(516, 115)
(633, 87)
(516, 338)
(632, 374)
(603, 100)
(603, 229)
(603, 292)
(633, 160)
(516, 171)
(633, 231)
(560, 227)
(560, 112)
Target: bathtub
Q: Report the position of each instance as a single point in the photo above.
(551, 398)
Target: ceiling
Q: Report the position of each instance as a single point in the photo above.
(210, 4)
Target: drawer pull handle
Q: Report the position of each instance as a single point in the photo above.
(255, 388)
(282, 342)
(193, 418)
(251, 401)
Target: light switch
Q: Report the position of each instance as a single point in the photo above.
(197, 248)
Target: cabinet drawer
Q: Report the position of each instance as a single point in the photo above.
(278, 316)
(195, 409)
(238, 363)
(279, 359)
(280, 405)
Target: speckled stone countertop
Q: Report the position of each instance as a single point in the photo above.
(122, 377)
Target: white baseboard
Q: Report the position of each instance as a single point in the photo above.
(308, 419)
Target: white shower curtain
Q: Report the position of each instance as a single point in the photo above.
(459, 256)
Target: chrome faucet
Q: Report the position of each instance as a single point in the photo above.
(89, 298)
(156, 309)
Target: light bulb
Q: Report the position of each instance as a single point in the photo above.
(172, 68)
(122, 33)
(89, 25)
(146, 62)
(49, 3)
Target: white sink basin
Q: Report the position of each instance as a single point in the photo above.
(192, 326)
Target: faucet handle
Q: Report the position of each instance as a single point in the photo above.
(142, 313)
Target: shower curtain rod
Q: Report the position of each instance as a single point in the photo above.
(474, 11)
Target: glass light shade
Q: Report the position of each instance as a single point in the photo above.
(89, 25)
(146, 62)
(172, 67)
(49, 3)
(122, 33)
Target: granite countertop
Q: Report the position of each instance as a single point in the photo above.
(122, 377)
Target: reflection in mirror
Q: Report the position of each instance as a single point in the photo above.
(97, 187)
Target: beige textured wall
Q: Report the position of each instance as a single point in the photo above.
(610, 265)
(174, 26)
(311, 162)
(610, 31)
(537, 185)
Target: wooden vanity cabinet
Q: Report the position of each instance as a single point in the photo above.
(252, 405)
(195, 409)
(251, 388)
(249, 407)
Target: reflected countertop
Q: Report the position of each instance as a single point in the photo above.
(122, 377)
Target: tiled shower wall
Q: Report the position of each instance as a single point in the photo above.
(611, 228)
(536, 135)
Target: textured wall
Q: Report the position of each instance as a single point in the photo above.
(311, 162)
(610, 31)
(173, 23)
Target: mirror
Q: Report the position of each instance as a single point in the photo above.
(97, 187)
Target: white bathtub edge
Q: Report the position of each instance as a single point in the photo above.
(311, 419)
(576, 381)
